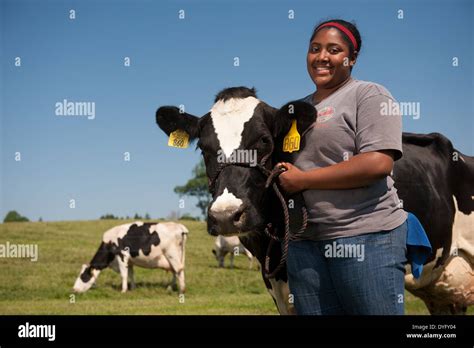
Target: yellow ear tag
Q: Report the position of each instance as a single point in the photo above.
(291, 142)
(179, 138)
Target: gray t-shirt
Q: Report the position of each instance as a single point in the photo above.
(356, 118)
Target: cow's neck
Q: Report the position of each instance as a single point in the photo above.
(255, 242)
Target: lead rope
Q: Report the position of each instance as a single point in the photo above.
(273, 236)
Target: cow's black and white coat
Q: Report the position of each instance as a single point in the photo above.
(240, 205)
(427, 179)
(148, 245)
(436, 183)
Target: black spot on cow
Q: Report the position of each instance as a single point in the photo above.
(139, 238)
(102, 258)
(87, 274)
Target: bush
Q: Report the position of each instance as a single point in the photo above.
(13, 216)
(189, 217)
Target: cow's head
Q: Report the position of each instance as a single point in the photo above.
(238, 128)
(86, 279)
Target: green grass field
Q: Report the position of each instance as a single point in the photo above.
(45, 286)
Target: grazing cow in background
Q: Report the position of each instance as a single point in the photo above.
(427, 177)
(232, 246)
(147, 245)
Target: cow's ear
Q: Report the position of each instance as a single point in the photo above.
(304, 114)
(169, 119)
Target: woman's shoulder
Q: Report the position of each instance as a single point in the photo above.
(367, 89)
(307, 99)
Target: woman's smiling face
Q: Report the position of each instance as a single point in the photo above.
(328, 61)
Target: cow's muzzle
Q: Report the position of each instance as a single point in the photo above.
(227, 222)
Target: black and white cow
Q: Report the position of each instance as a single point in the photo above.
(436, 183)
(241, 206)
(147, 245)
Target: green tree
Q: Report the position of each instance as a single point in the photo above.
(147, 216)
(108, 217)
(13, 216)
(197, 187)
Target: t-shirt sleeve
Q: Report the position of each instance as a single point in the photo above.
(379, 123)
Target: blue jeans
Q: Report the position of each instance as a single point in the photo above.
(361, 275)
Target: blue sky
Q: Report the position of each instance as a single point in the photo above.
(187, 61)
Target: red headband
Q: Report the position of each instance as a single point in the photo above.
(343, 29)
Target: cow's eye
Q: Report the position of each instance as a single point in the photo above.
(264, 140)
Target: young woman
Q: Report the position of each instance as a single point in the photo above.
(351, 258)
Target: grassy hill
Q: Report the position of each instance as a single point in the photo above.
(45, 286)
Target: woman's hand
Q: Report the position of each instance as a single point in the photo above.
(293, 179)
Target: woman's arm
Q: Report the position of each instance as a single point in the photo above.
(360, 170)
